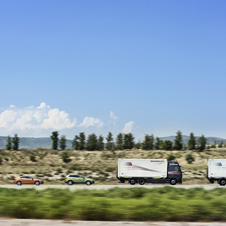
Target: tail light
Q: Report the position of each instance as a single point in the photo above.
(65, 177)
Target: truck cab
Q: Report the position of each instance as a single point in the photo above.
(174, 172)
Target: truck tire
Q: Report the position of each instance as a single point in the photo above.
(141, 181)
(222, 182)
(173, 181)
(132, 181)
(122, 181)
(211, 181)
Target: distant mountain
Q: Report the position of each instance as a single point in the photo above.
(31, 142)
(46, 142)
(185, 138)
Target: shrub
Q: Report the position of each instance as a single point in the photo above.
(0, 159)
(170, 157)
(32, 157)
(59, 170)
(65, 156)
(189, 158)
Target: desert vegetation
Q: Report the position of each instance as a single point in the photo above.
(54, 165)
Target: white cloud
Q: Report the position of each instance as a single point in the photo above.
(58, 120)
(90, 121)
(31, 118)
(113, 116)
(128, 127)
(12, 106)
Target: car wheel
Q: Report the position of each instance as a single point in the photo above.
(132, 181)
(19, 183)
(222, 182)
(141, 181)
(37, 183)
(70, 182)
(173, 181)
(88, 183)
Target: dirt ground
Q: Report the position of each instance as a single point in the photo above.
(100, 165)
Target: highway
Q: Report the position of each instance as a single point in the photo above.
(104, 187)
(30, 222)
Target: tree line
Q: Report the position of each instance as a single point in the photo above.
(122, 141)
(13, 144)
(127, 141)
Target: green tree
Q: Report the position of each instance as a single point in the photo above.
(92, 142)
(128, 141)
(162, 145)
(220, 145)
(110, 141)
(138, 145)
(82, 141)
(75, 143)
(119, 141)
(178, 145)
(65, 156)
(202, 141)
(9, 143)
(15, 142)
(168, 145)
(63, 142)
(100, 143)
(157, 143)
(191, 142)
(148, 143)
(54, 138)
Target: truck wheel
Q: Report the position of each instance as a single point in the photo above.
(132, 181)
(222, 182)
(173, 181)
(211, 181)
(141, 181)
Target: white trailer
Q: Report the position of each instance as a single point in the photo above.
(149, 171)
(216, 171)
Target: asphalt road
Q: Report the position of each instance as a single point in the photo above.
(104, 187)
(28, 222)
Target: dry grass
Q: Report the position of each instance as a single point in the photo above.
(100, 165)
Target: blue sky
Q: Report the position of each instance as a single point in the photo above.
(146, 67)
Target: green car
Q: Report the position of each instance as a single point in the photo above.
(78, 179)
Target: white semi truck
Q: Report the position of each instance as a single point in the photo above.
(149, 171)
(216, 171)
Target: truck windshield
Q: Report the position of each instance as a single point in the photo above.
(173, 168)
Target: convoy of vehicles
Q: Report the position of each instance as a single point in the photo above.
(28, 180)
(144, 171)
(78, 179)
(149, 171)
(216, 171)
